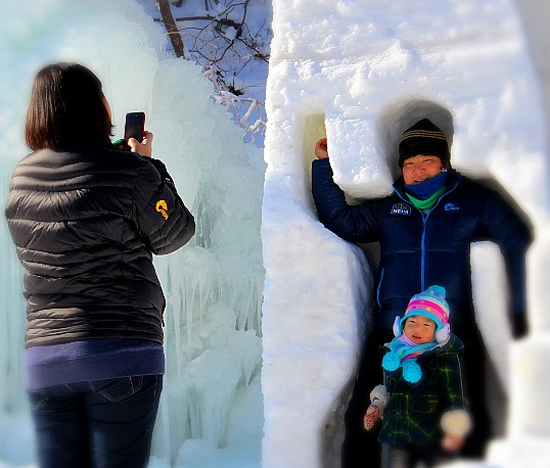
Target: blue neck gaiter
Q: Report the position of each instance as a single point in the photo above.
(427, 188)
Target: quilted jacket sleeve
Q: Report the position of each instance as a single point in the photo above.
(352, 223)
(506, 227)
(160, 214)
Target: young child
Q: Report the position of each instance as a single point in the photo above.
(422, 403)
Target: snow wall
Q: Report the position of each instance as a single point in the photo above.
(360, 72)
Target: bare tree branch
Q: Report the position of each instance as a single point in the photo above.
(171, 27)
(219, 38)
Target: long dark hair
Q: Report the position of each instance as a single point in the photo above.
(67, 106)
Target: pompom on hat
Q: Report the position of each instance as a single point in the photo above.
(431, 304)
(426, 138)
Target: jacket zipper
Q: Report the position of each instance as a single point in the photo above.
(425, 217)
(380, 287)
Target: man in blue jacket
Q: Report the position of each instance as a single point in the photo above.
(425, 229)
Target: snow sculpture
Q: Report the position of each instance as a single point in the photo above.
(360, 72)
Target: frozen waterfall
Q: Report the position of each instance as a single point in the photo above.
(213, 286)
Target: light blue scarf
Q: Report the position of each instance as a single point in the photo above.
(403, 353)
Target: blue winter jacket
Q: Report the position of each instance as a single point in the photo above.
(419, 249)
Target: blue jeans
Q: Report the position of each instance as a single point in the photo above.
(97, 424)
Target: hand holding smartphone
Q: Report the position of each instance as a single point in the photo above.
(135, 128)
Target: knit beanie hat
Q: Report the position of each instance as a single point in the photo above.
(402, 353)
(431, 304)
(424, 138)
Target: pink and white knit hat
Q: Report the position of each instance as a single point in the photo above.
(432, 304)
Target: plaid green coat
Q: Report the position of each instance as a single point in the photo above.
(413, 411)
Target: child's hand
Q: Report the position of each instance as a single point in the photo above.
(371, 417)
(321, 149)
(452, 442)
(456, 425)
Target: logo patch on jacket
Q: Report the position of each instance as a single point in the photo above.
(401, 209)
(162, 208)
(451, 207)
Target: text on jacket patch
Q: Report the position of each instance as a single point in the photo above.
(401, 209)
(451, 207)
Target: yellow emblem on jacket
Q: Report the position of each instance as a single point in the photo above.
(162, 208)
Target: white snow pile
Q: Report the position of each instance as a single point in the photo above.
(360, 72)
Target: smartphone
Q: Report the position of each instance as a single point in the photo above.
(135, 126)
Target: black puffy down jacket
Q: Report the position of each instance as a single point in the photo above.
(85, 222)
(420, 249)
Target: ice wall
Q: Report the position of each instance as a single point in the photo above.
(360, 72)
(211, 408)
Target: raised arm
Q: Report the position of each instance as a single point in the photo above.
(352, 223)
